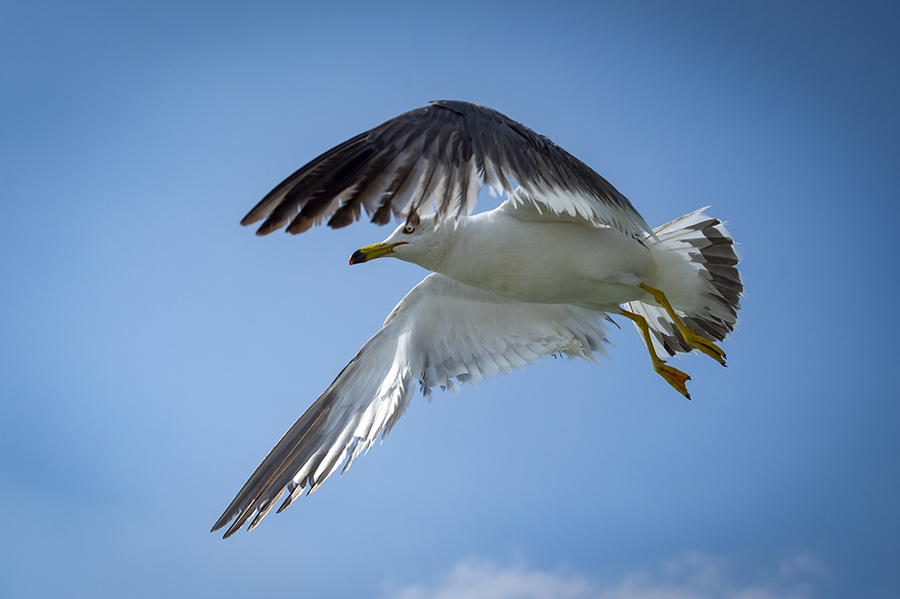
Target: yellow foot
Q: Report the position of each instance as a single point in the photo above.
(705, 345)
(674, 377)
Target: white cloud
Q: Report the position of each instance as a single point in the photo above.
(693, 576)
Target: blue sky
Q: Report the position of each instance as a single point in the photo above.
(152, 350)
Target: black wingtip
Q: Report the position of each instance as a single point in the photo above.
(219, 524)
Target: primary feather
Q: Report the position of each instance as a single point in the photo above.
(433, 160)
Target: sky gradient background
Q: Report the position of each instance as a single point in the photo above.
(152, 350)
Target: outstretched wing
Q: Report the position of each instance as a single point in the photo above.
(442, 330)
(433, 159)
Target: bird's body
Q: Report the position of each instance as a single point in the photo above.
(544, 262)
(536, 276)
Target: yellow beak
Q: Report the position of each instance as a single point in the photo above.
(370, 252)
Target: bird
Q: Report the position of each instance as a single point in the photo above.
(541, 274)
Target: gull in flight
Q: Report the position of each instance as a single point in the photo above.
(537, 276)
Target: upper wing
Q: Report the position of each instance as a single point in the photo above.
(441, 153)
(442, 330)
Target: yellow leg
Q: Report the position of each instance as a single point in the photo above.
(706, 346)
(673, 376)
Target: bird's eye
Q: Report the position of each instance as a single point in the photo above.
(409, 230)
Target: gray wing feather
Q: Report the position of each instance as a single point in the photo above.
(441, 334)
(434, 159)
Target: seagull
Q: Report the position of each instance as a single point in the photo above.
(539, 275)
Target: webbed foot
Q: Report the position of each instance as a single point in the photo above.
(674, 377)
(696, 340)
(703, 344)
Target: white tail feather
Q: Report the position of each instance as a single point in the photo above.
(708, 298)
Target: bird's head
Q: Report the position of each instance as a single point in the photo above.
(417, 240)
